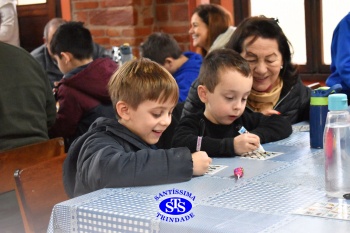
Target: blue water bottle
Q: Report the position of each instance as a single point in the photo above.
(318, 113)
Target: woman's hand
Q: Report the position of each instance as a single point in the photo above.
(270, 112)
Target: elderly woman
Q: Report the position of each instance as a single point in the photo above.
(277, 87)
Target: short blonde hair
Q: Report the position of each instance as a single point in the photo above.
(142, 79)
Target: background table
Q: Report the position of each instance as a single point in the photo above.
(262, 201)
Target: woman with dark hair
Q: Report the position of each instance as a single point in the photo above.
(277, 87)
(211, 27)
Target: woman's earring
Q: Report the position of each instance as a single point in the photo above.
(281, 67)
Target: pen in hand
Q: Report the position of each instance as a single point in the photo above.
(201, 133)
(243, 130)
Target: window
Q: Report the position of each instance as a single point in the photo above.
(30, 2)
(309, 26)
(290, 25)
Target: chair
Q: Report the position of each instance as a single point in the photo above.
(38, 189)
(22, 157)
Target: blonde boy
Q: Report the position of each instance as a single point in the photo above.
(119, 153)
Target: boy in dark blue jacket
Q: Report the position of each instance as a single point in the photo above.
(164, 49)
(120, 152)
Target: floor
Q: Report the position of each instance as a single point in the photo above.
(10, 216)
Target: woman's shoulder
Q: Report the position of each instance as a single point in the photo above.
(222, 39)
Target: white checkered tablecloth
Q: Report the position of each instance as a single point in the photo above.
(262, 201)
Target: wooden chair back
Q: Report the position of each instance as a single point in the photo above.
(21, 157)
(38, 189)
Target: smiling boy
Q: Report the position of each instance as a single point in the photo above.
(225, 82)
(120, 153)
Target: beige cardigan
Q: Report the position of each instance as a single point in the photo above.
(222, 39)
(9, 32)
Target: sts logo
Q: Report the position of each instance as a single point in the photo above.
(175, 205)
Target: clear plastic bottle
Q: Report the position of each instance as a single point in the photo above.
(336, 144)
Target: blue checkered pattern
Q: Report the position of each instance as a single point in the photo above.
(262, 201)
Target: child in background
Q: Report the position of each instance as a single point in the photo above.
(82, 92)
(119, 153)
(164, 49)
(225, 82)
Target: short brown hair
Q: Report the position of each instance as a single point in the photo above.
(159, 46)
(142, 79)
(217, 61)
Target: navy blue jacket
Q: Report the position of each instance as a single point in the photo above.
(187, 73)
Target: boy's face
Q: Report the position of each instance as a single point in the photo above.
(149, 120)
(229, 98)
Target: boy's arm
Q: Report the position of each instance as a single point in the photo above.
(268, 128)
(68, 115)
(187, 132)
(342, 50)
(104, 162)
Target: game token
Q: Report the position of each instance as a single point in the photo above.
(238, 172)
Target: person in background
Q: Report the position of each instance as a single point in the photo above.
(44, 55)
(340, 54)
(9, 32)
(277, 86)
(225, 82)
(28, 108)
(211, 27)
(120, 152)
(82, 92)
(164, 49)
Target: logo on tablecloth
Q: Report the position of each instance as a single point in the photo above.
(175, 205)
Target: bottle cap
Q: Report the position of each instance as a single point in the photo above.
(337, 102)
(319, 96)
(125, 49)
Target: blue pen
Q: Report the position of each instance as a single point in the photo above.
(243, 130)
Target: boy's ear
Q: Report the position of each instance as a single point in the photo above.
(67, 57)
(122, 109)
(202, 93)
(168, 63)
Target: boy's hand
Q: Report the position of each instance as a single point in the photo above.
(201, 162)
(245, 143)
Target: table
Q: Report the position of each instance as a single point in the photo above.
(263, 200)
